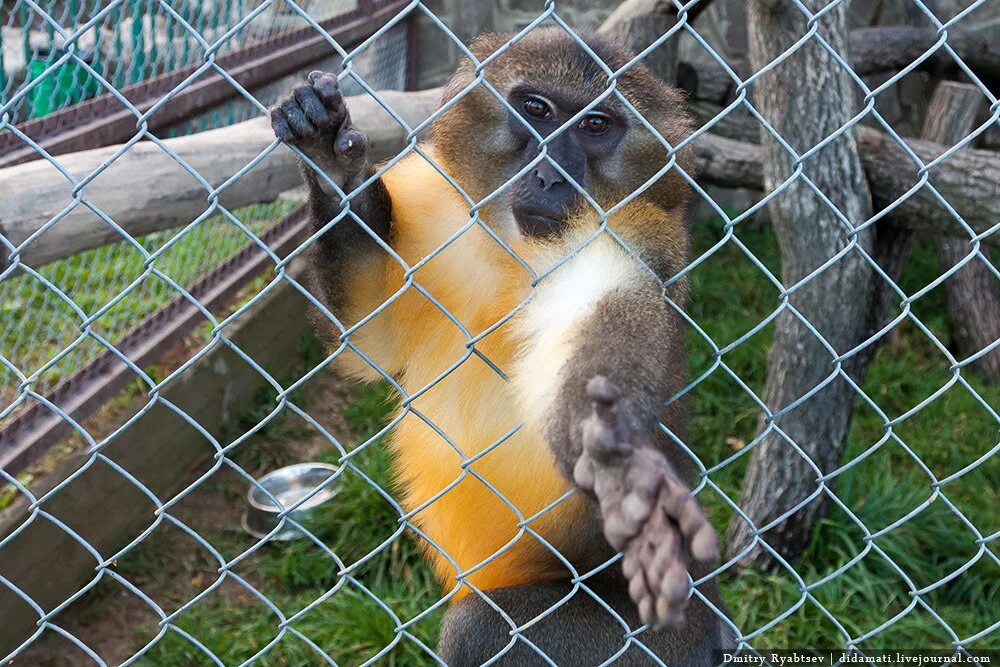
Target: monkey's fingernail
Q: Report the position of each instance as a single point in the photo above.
(351, 144)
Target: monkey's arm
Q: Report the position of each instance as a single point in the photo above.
(347, 261)
(315, 119)
(628, 359)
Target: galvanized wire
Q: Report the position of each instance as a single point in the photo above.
(37, 323)
(69, 291)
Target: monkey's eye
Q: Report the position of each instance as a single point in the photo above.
(537, 108)
(595, 123)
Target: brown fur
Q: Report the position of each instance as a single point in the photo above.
(451, 492)
(550, 58)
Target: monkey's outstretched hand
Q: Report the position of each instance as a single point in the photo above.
(315, 119)
(649, 513)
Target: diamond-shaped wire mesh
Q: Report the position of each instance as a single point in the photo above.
(39, 323)
(906, 557)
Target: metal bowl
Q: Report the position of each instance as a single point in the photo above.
(288, 485)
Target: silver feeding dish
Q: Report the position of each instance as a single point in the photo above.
(288, 485)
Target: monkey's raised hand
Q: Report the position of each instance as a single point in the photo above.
(648, 512)
(315, 119)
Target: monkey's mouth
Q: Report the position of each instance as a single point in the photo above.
(538, 224)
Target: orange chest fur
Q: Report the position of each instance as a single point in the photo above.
(468, 464)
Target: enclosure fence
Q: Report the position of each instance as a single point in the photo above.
(198, 35)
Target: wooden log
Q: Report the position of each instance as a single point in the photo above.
(639, 23)
(892, 48)
(836, 302)
(160, 449)
(146, 190)
(969, 181)
(973, 301)
(874, 50)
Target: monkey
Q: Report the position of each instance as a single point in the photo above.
(537, 345)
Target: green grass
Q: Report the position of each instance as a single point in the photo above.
(355, 622)
(38, 324)
(729, 297)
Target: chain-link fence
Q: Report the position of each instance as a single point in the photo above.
(38, 322)
(841, 424)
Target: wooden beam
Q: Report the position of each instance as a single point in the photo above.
(892, 48)
(146, 190)
(970, 180)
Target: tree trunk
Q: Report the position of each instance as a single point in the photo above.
(638, 23)
(806, 99)
(973, 302)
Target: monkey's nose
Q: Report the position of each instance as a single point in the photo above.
(548, 175)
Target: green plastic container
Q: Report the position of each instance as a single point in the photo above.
(66, 85)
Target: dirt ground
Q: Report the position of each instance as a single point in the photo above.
(168, 565)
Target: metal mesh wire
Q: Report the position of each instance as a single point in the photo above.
(124, 42)
(727, 365)
(38, 323)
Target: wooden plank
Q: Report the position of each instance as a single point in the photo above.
(160, 449)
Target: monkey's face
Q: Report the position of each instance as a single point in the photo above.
(544, 141)
(544, 197)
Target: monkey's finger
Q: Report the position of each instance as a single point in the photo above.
(604, 395)
(648, 471)
(600, 441)
(674, 582)
(311, 105)
(666, 543)
(647, 610)
(328, 90)
(296, 118)
(280, 126)
(704, 544)
(694, 526)
(673, 594)
(618, 530)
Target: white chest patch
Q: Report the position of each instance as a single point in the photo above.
(562, 302)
